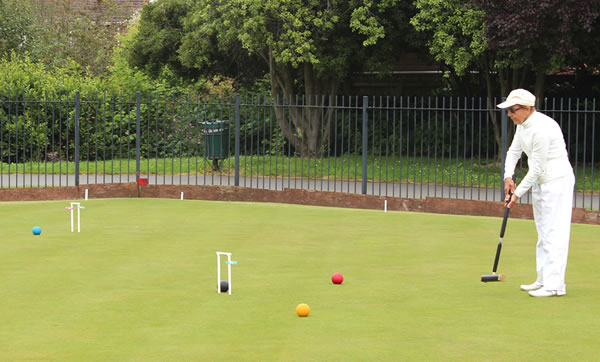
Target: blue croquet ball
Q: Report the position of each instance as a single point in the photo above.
(36, 230)
(224, 286)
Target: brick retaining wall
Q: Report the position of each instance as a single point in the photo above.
(288, 196)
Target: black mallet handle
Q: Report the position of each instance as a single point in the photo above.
(504, 221)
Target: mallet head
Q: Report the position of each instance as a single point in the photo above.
(492, 278)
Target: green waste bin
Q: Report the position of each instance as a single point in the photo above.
(216, 139)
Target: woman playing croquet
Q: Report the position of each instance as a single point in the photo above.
(551, 180)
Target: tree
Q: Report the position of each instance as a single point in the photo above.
(542, 34)
(456, 36)
(307, 47)
(586, 63)
(457, 39)
(17, 27)
(504, 41)
(87, 37)
(154, 46)
(55, 33)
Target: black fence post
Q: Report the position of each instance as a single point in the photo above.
(237, 140)
(504, 135)
(137, 137)
(365, 138)
(76, 155)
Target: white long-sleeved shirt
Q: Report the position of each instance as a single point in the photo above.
(541, 138)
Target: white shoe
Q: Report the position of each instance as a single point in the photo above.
(529, 287)
(547, 293)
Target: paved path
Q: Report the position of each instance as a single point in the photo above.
(418, 191)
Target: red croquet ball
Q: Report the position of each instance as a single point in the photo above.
(337, 278)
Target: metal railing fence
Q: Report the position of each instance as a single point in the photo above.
(411, 147)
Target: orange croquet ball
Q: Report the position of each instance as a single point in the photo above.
(303, 310)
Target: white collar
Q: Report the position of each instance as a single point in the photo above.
(529, 121)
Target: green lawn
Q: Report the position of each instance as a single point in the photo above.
(139, 283)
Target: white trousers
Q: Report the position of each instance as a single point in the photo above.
(552, 209)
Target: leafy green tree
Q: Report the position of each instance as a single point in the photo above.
(153, 48)
(55, 33)
(542, 35)
(457, 39)
(308, 48)
(86, 37)
(17, 27)
(505, 41)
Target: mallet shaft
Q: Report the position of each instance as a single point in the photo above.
(498, 277)
(497, 256)
(499, 249)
